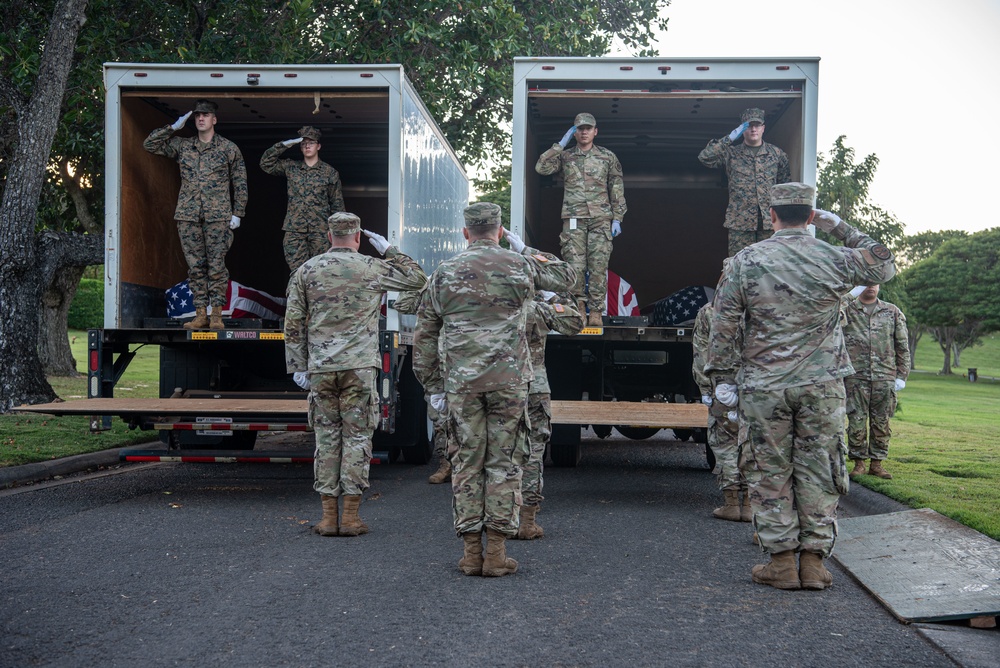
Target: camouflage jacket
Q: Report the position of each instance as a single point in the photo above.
(213, 176)
(751, 176)
(334, 299)
(478, 301)
(700, 339)
(560, 315)
(592, 181)
(785, 291)
(314, 193)
(877, 343)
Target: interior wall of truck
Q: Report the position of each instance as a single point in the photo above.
(673, 234)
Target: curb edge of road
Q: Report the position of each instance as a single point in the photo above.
(26, 474)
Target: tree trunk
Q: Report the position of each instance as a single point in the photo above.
(945, 337)
(914, 335)
(53, 340)
(957, 354)
(22, 379)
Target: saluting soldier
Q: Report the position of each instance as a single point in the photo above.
(211, 202)
(314, 194)
(331, 348)
(752, 167)
(478, 302)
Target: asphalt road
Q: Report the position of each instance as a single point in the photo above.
(195, 565)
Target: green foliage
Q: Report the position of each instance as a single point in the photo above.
(87, 309)
(496, 189)
(917, 247)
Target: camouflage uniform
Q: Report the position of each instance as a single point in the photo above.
(751, 172)
(877, 343)
(331, 331)
(789, 365)
(559, 315)
(593, 196)
(722, 432)
(213, 190)
(479, 301)
(314, 193)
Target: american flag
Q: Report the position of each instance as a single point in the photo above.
(241, 302)
(621, 296)
(681, 307)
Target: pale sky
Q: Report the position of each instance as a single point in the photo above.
(916, 82)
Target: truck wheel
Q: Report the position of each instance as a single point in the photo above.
(683, 434)
(710, 457)
(636, 433)
(566, 455)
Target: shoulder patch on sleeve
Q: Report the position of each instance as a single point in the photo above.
(540, 257)
(558, 308)
(881, 252)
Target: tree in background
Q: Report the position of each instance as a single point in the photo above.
(953, 292)
(458, 55)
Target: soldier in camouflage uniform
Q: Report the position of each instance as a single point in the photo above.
(723, 429)
(314, 193)
(549, 311)
(876, 339)
(751, 168)
(331, 347)
(479, 301)
(210, 205)
(592, 210)
(789, 366)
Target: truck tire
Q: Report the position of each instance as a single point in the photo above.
(565, 455)
(637, 433)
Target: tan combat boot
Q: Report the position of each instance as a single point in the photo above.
(528, 530)
(471, 562)
(859, 468)
(443, 474)
(746, 511)
(330, 524)
(781, 573)
(496, 562)
(350, 523)
(876, 470)
(730, 510)
(200, 319)
(812, 572)
(215, 320)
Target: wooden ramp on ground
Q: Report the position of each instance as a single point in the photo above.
(922, 565)
(634, 414)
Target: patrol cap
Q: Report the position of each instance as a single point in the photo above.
(309, 132)
(753, 115)
(343, 223)
(585, 119)
(783, 194)
(205, 107)
(482, 213)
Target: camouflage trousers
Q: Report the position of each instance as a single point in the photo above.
(874, 402)
(300, 246)
(794, 463)
(441, 435)
(588, 250)
(343, 411)
(740, 239)
(540, 416)
(490, 446)
(723, 438)
(205, 245)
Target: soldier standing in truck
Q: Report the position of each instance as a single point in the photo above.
(592, 210)
(314, 194)
(751, 168)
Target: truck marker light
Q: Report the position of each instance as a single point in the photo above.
(367, 75)
(782, 67)
(385, 362)
(139, 74)
(385, 391)
(664, 68)
(93, 360)
(702, 68)
(548, 67)
(93, 387)
(626, 68)
(216, 75)
(290, 75)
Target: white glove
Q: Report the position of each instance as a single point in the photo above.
(738, 132)
(734, 416)
(292, 142)
(825, 220)
(566, 137)
(179, 123)
(857, 290)
(546, 295)
(301, 379)
(439, 403)
(515, 242)
(380, 243)
(616, 228)
(726, 393)
(706, 399)
(234, 222)
(900, 384)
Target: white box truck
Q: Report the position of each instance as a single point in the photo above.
(656, 114)
(219, 389)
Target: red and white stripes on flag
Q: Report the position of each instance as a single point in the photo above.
(241, 302)
(621, 296)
